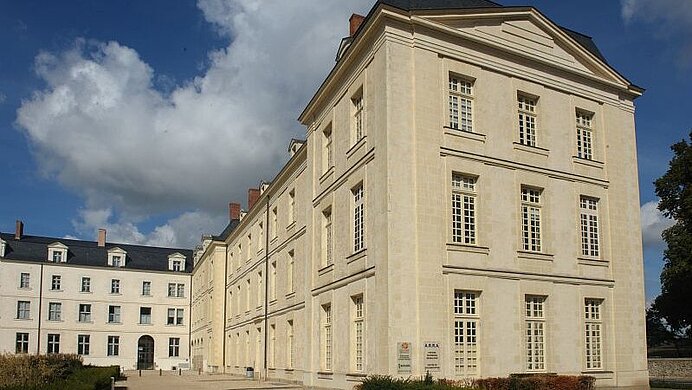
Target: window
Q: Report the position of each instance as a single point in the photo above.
(535, 333)
(146, 288)
(584, 135)
(171, 289)
(531, 219)
(291, 206)
(358, 128)
(247, 296)
(115, 286)
(114, 314)
(145, 315)
(53, 343)
(290, 272)
(180, 290)
(327, 337)
(358, 333)
(272, 345)
(175, 316)
(358, 218)
(327, 151)
(57, 256)
(113, 345)
(86, 284)
(173, 346)
(460, 103)
(83, 344)
(463, 209)
(176, 265)
(272, 281)
(117, 261)
(466, 324)
(275, 222)
(55, 282)
(260, 290)
(592, 333)
(84, 312)
(249, 247)
(289, 347)
(23, 310)
(22, 345)
(54, 311)
(588, 216)
(328, 236)
(24, 280)
(527, 120)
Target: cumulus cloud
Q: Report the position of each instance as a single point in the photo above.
(103, 126)
(653, 224)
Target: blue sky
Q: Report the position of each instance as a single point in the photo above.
(116, 114)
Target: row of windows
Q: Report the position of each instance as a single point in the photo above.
(356, 336)
(460, 108)
(174, 289)
(175, 316)
(289, 346)
(464, 217)
(357, 131)
(467, 322)
(84, 344)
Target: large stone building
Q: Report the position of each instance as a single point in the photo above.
(110, 303)
(465, 203)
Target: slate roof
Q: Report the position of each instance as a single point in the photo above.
(228, 230)
(88, 253)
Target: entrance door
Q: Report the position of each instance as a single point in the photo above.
(145, 353)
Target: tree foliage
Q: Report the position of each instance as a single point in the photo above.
(675, 190)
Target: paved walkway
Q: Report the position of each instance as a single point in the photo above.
(150, 380)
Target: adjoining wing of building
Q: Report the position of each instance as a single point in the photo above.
(465, 203)
(110, 303)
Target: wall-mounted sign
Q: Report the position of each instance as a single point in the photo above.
(403, 357)
(432, 356)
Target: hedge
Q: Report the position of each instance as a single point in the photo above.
(52, 372)
(513, 382)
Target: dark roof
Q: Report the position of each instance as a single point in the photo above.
(228, 230)
(88, 253)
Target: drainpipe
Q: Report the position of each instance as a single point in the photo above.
(189, 325)
(225, 304)
(266, 287)
(40, 300)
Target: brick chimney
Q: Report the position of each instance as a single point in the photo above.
(252, 195)
(234, 211)
(18, 230)
(102, 238)
(354, 22)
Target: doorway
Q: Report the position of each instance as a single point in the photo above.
(145, 353)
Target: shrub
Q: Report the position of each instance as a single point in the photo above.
(53, 372)
(513, 382)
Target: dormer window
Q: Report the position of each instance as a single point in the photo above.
(116, 257)
(3, 244)
(57, 253)
(176, 262)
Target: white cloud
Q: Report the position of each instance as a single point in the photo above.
(653, 223)
(102, 128)
(3, 97)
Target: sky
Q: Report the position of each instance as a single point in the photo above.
(148, 117)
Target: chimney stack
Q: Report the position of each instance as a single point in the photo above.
(102, 238)
(354, 22)
(252, 195)
(19, 230)
(234, 211)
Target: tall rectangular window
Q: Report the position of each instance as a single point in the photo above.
(53, 343)
(22, 344)
(260, 289)
(179, 315)
(116, 261)
(466, 324)
(289, 346)
(145, 315)
(358, 218)
(84, 312)
(535, 333)
(171, 289)
(290, 272)
(588, 216)
(249, 247)
(463, 209)
(328, 236)
(272, 345)
(170, 320)
(327, 337)
(460, 103)
(57, 256)
(114, 314)
(527, 120)
(180, 290)
(531, 219)
(275, 222)
(358, 129)
(358, 334)
(272, 281)
(83, 341)
(86, 284)
(327, 149)
(146, 288)
(584, 135)
(54, 311)
(173, 346)
(23, 310)
(24, 279)
(113, 345)
(291, 206)
(247, 296)
(55, 282)
(115, 286)
(592, 333)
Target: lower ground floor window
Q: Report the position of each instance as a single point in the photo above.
(53, 343)
(83, 344)
(174, 347)
(113, 345)
(22, 343)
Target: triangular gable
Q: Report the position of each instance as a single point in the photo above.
(57, 245)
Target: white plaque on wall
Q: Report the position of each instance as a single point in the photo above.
(403, 357)
(432, 356)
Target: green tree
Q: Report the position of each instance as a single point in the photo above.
(675, 190)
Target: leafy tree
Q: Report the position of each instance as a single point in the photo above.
(657, 333)
(675, 190)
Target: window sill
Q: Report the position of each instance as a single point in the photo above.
(146, 296)
(531, 149)
(325, 374)
(56, 290)
(272, 302)
(289, 370)
(535, 255)
(116, 293)
(85, 292)
(458, 247)
(464, 134)
(23, 319)
(114, 323)
(355, 376)
(291, 225)
(326, 269)
(290, 295)
(85, 322)
(587, 162)
(49, 320)
(358, 255)
(273, 240)
(145, 324)
(25, 288)
(356, 146)
(592, 261)
(326, 174)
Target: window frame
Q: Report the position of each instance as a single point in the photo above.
(114, 314)
(466, 339)
(21, 345)
(83, 344)
(464, 214)
(527, 119)
(585, 134)
(589, 227)
(358, 333)
(23, 310)
(84, 310)
(25, 280)
(357, 116)
(535, 333)
(460, 102)
(531, 212)
(593, 334)
(113, 346)
(53, 344)
(358, 222)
